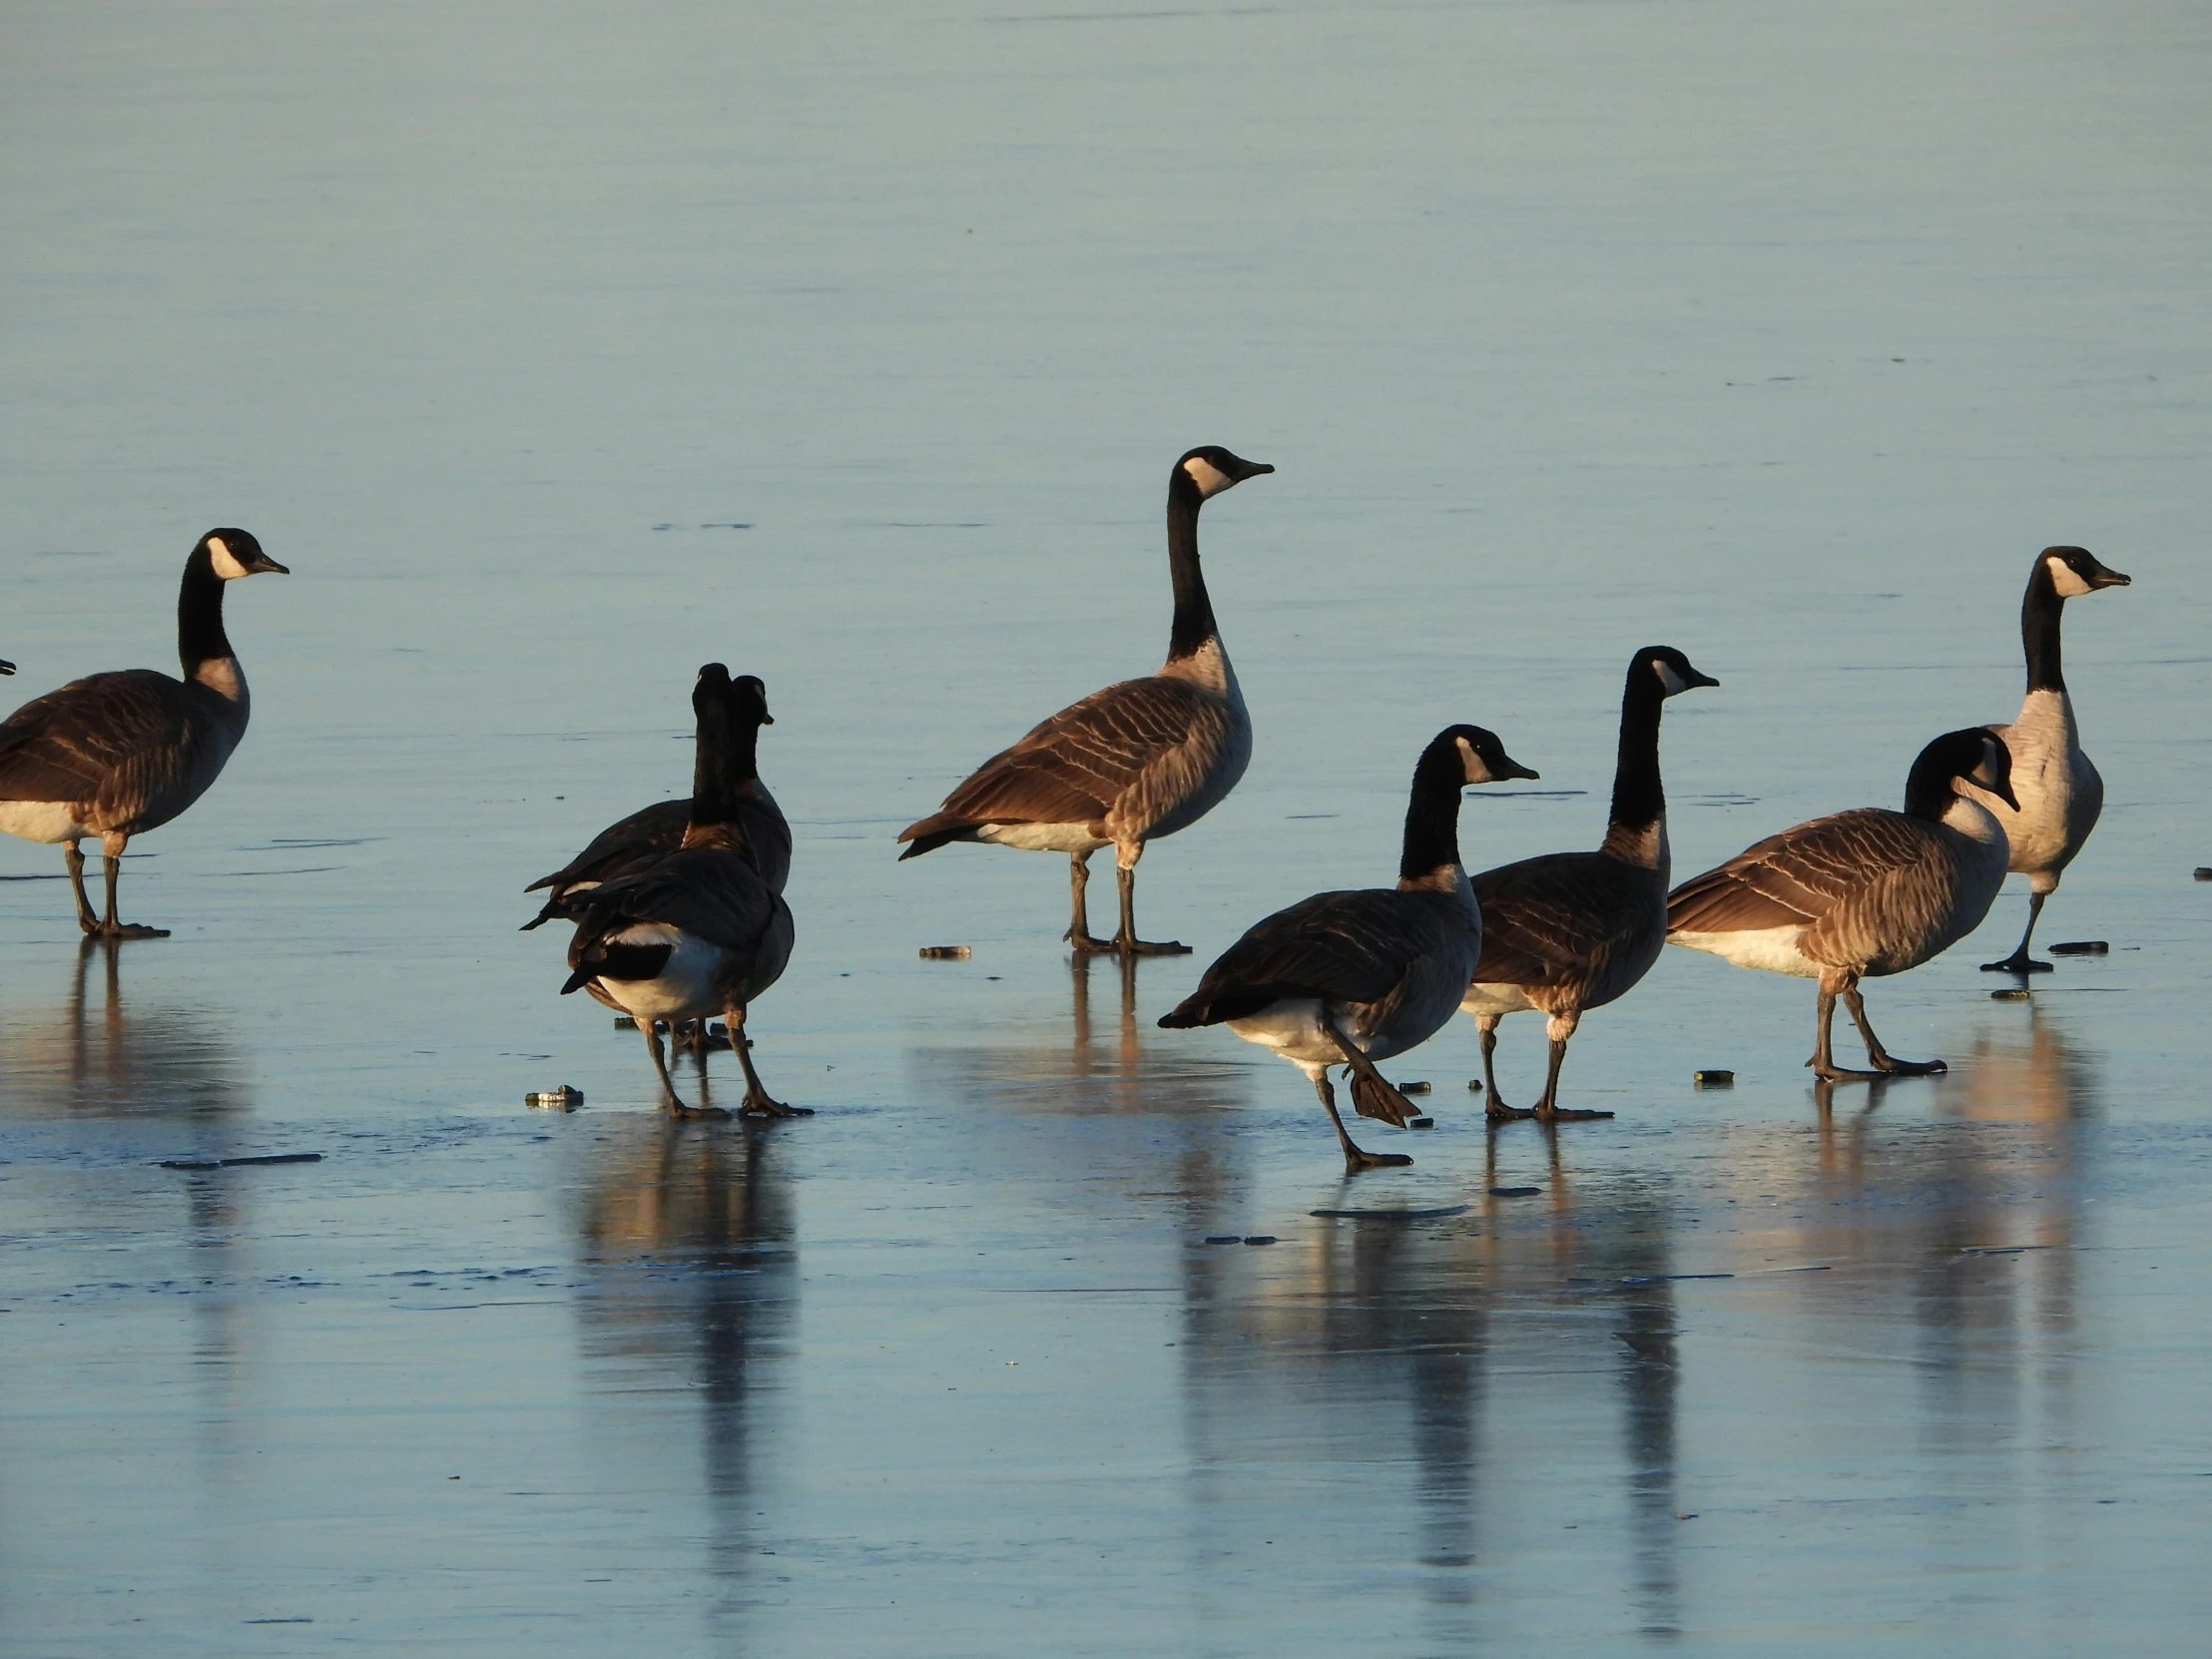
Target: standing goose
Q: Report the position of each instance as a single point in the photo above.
(1569, 931)
(700, 932)
(1349, 978)
(2059, 790)
(1127, 765)
(651, 833)
(117, 755)
(1862, 894)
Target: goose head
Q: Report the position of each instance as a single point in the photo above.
(748, 700)
(234, 553)
(1484, 757)
(1973, 753)
(1675, 674)
(2074, 571)
(1213, 469)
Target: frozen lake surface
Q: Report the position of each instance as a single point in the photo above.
(559, 351)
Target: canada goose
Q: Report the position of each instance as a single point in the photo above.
(2061, 792)
(1569, 931)
(1862, 894)
(700, 932)
(1349, 978)
(117, 755)
(653, 832)
(1127, 765)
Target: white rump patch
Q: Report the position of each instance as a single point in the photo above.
(1209, 478)
(42, 820)
(685, 987)
(2063, 579)
(227, 564)
(1772, 949)
(1042, 838)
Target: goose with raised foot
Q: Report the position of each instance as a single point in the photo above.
(700, 932)
(2059, 791)
(1130, 764)
(1565, 932)
(116, 754)
(653, 832)
(1862, 894)
(1350, 978)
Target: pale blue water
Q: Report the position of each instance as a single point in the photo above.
(559, 351)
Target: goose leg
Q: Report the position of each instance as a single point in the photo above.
(110, 848)
(1561, 1027)
(76, 862)
(1126, 941)
(1823, 1061)
(2021, 961)
(1079, 914)
(1355, 1158)
(676, 1108)
(758, 1103)
(1497, 1110)
(1371, 1095)
(1884, 1061)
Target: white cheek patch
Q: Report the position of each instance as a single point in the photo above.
(1674, 682)
(1477, 772)
(2063, 579)
(227, 565)
(1209, 478)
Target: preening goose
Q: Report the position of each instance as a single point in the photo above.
(1130, 764)
(1569, 931)
(117, 755)
(2060, 792)
(700, 932)
(1862, 894)
(653, 832)
(1349, 978)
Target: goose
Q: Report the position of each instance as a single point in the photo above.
(117, 755)
(6, 667)
(2059, 790)
(1566, 932)
(651, 832)
(700, 932)
(1350, 978)
(1862, 894)
(1130, 764)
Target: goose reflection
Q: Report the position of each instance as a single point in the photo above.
(98, 1053)
(688, 1242)
(1476, 1358)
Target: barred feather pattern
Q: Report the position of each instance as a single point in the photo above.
(1876, 891)
(1138, 760)
(1573, 931)
(127, 751)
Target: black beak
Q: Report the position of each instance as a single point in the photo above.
(1253, 469)
(264, 565)
(2109, 579)
(2001, 787)
(766, 719)
(1697, 679)
(1514, 769)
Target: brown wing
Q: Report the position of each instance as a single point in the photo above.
(1558, 920)
(1803, 875)
(1072, 768)
(710, 893)
(1347, 946)
(646, 835)
(111, 742)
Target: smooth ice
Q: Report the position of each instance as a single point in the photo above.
(561, 349)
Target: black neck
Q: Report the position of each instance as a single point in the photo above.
(199, 634)
(721, 761)
(1639, 800)
(1930, 786)
(1432, 812)
(1194, 611)
(2040, 613)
